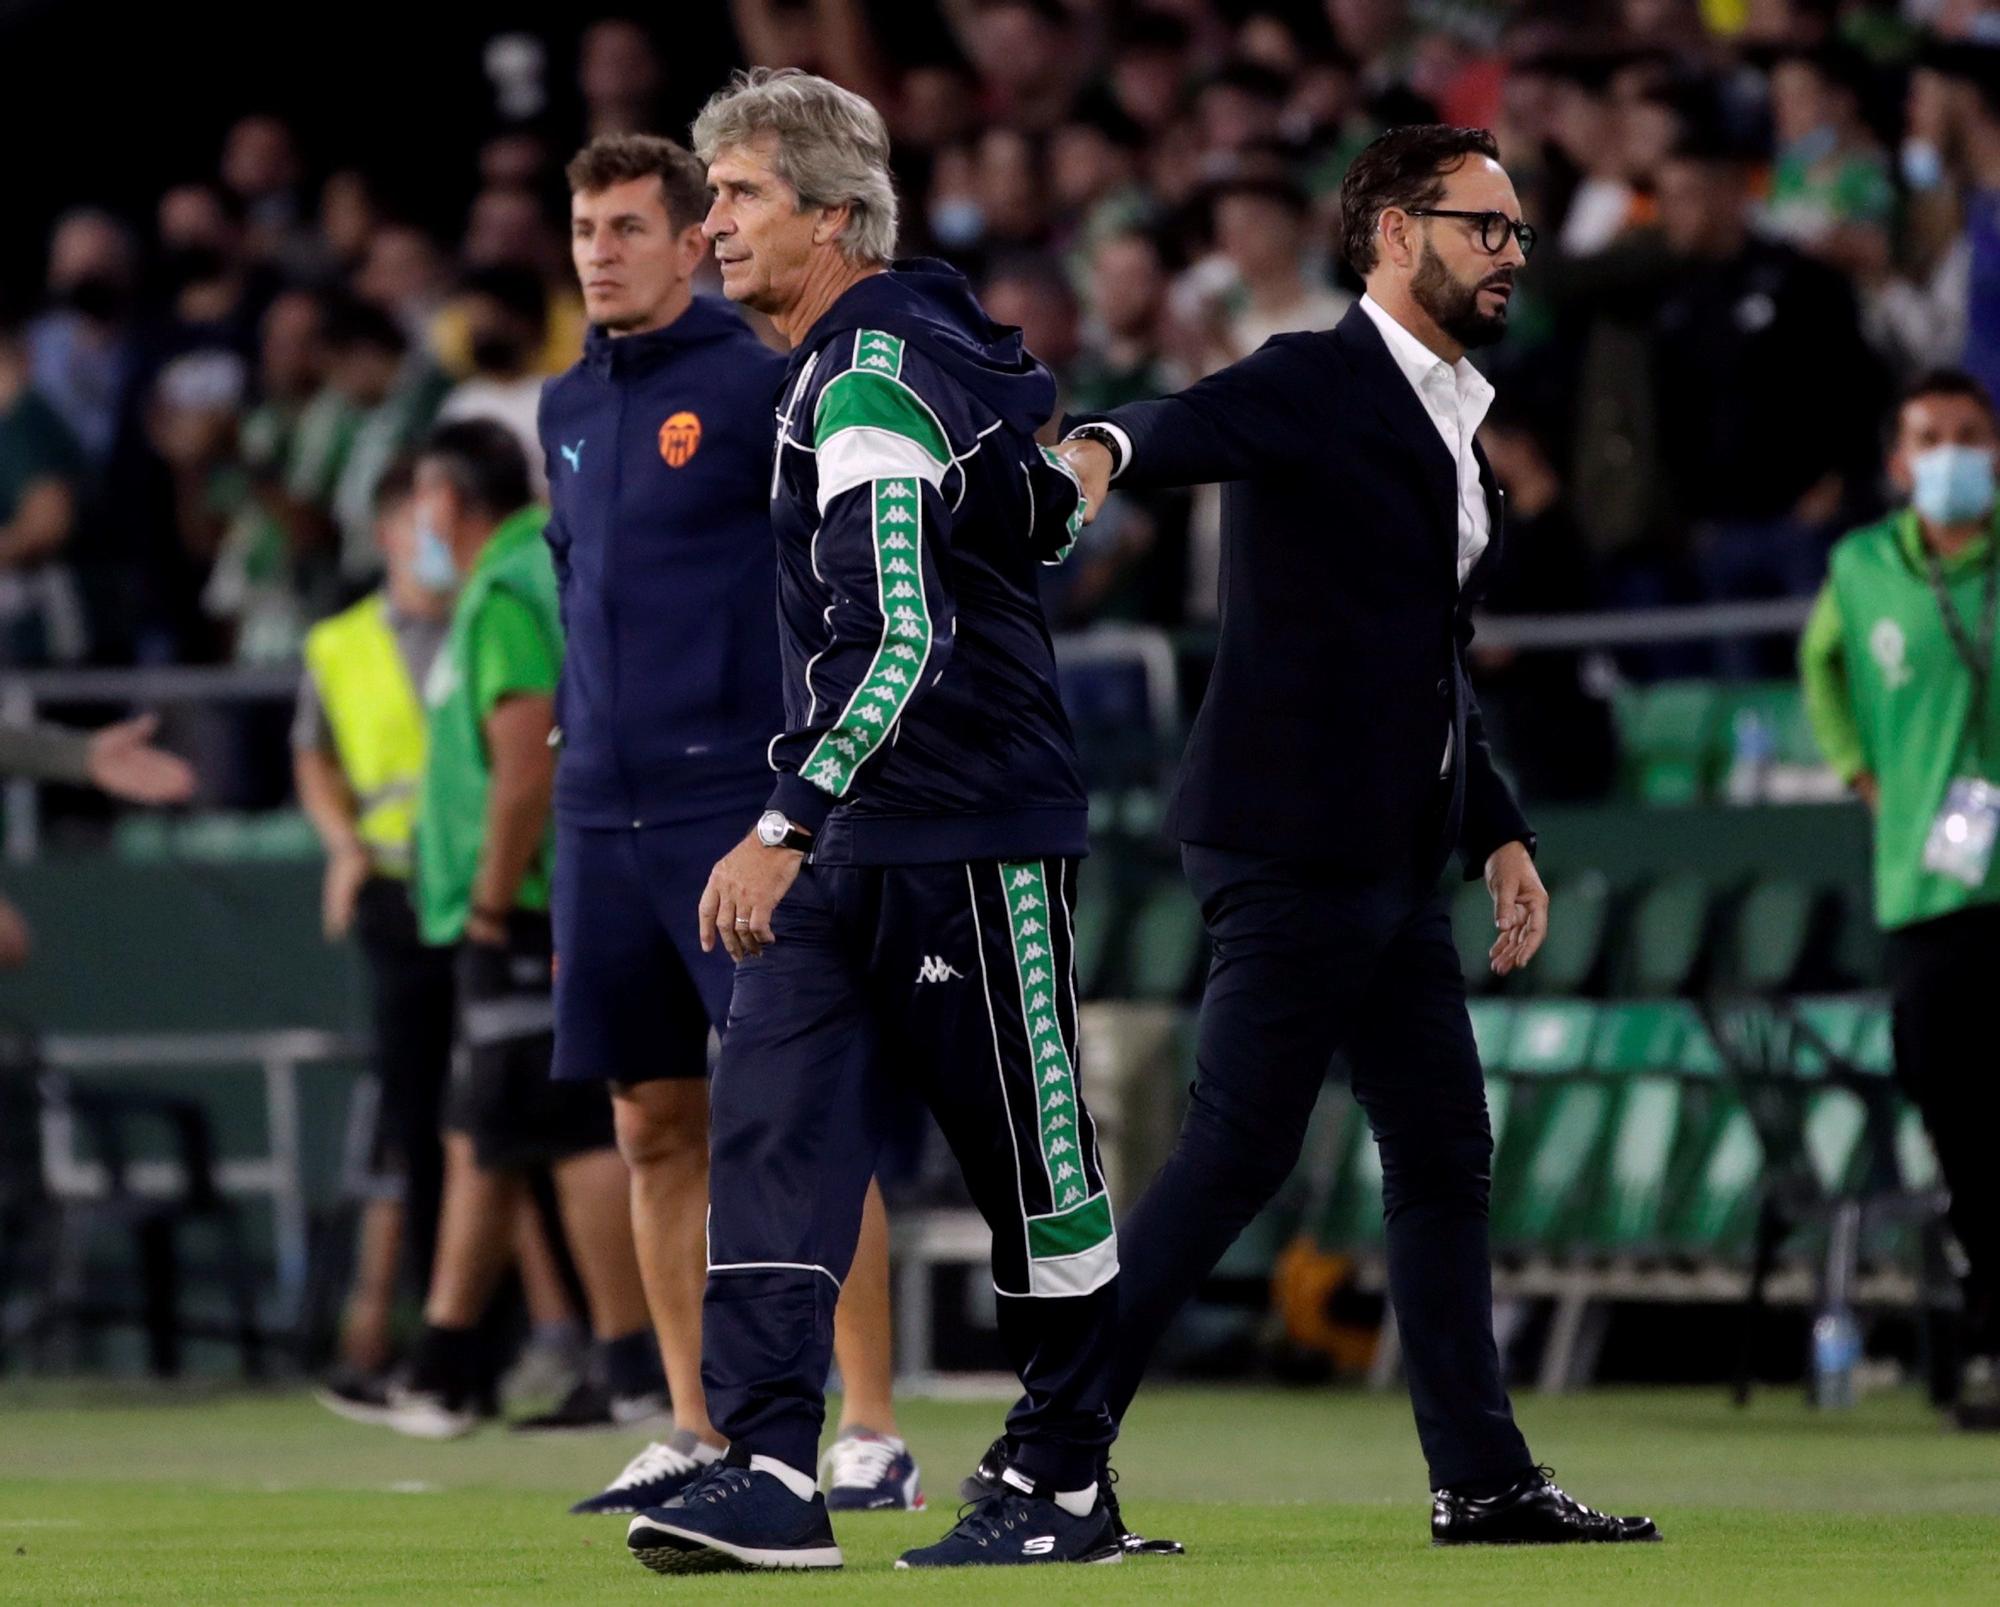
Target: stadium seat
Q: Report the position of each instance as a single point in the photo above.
(1770, 934)
(1664, 731)
(1092, 922)
(1166, 943)
(1669, 928)
(1555, 1124)
(1492, 1030)
(1472, 931)
(1572, 954)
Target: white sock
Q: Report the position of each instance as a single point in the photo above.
(1077, 1503)
(704, 1453)
(787, 1475)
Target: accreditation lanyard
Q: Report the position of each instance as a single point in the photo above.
(1961, 840)
(1977, 656)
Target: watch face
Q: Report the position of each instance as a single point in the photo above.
(771, 828)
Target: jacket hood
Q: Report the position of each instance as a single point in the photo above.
(930, 304)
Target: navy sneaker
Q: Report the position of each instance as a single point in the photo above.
(652, 1478)
(985, 1480)
(1014, 1526)
(868, 1472)
(734, 1517)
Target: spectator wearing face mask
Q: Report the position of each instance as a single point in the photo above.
(1899, 665)
(82, 351)
(506, 319)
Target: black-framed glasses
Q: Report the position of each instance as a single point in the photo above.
(1494, 227)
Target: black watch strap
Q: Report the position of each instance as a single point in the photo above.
(1105, 438)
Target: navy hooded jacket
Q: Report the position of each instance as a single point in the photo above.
(658, 449)
(912, 511)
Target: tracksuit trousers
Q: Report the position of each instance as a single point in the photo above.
(960, 979)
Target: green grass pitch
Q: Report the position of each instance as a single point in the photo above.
(1309, 1496)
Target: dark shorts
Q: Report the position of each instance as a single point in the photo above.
(635, 995)
(502, 1097)
(412, 1027)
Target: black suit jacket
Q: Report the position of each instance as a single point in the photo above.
(1344, 628)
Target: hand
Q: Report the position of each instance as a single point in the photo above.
(124, 763)
(743, 894)
(1091, 462)
(486, 929)
(1520, 907)
(346, 869)
(1868, 790)
(16, 941)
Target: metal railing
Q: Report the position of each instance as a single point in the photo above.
(278, 1175)
(1156, 653)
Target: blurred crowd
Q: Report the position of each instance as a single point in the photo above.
(1755, 218)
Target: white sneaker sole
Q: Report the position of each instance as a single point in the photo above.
(428, 1423)
(667, 1550)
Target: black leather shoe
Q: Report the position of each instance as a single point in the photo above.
(1533, 1512)
(984, 1481)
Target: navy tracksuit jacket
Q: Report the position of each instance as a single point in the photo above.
(926, 747)
(658, 449)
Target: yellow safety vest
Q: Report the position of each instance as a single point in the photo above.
(378, 724)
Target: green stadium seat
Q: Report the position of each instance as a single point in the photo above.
(1664, 733)
(1640, 1048)
(1492, 1029)
(1551, 1037)
(1770, 932)
(1717, 1213)
(1874, 1047)
(1669, 929)
(1835, 1123)
(1472, 930)
(1555, 1116)
(1837, 1021)
(1092, 922)
(1573, 951)
(1916, 1160)
(1165, 942)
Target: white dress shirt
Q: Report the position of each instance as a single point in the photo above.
(1456, 396)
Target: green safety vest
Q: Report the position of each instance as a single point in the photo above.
(1912, 700)
(377, 721)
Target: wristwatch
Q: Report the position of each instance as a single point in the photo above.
(775, 830)
(1105, 438)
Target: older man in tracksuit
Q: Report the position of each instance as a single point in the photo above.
(658, 448)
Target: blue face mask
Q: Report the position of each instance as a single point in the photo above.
(957, 223)
(1952, 484)
(432, 565)
(1923, 165)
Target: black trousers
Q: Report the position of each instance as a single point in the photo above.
(1942, 972)
(1307, 964)
(957, 979)
(410, 999)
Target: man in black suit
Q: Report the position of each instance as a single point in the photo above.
(1336, 764)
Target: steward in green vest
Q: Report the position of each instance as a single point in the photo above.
(358, 755)
(1899, 663)
(485, 846)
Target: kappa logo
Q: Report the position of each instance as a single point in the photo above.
(1040, 1545)
(935, 969)
(680, 438)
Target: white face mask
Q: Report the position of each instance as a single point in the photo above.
(1952, 484)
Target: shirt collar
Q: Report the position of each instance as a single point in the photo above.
(1418, 362)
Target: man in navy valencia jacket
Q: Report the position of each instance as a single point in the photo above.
(658, 449)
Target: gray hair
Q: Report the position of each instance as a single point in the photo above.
(832, 147)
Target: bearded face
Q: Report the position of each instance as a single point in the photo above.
(1453, 303)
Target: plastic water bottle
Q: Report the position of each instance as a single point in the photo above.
(1836, 1351)
(1753, 747)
